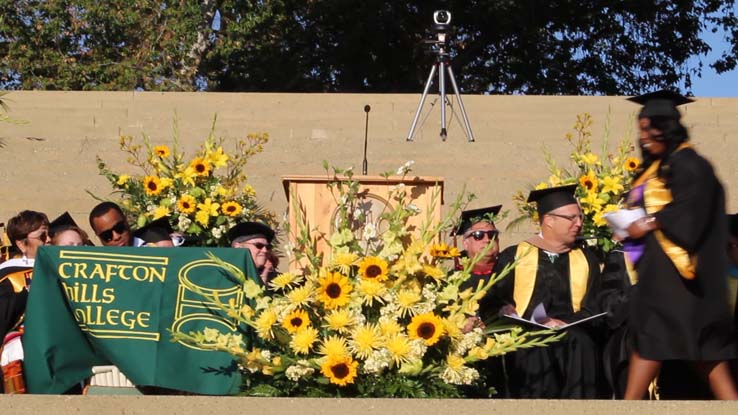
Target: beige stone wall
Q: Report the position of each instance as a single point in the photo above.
(48, 163)
(103, 405)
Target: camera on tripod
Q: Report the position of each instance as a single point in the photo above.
(442, 17)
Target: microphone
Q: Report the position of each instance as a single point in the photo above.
(365, 164)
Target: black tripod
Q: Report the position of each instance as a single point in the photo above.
(442, 65)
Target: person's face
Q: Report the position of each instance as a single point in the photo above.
(68, 238)
(564, 223)
(259, 248)
(38, 237)
(112, 229)
(477, 238)
(733, 250)
(650, 139)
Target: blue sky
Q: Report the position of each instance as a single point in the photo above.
(711, 84)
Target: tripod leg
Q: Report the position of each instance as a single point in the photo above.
(467, 126)
(420, 105)
(442, 91)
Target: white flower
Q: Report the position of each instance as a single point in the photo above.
(405, 168)
(299, 370)
(183, 223)
(377, 361)
(370, 231)
(411, 207)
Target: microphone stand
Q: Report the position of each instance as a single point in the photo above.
(365, 164)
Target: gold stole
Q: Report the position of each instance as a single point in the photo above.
(527, 269)
(17, 279)
(655, 196)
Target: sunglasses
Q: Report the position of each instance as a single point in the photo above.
(119, 228)
(260, 245)
(41, 237)
(479, 235)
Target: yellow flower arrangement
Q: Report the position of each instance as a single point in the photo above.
(602, 180)
(381, 314)
(203, 195)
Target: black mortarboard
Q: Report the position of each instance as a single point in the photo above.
(552, 198)
(470, 217)
(661, 103)
(61, 223)
(251, 230)
(156, 231)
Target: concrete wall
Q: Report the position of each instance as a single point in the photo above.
(103, 405)
(49, 162)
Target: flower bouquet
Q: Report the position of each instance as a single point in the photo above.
(603, 180)
(381, 315)
(203, 195)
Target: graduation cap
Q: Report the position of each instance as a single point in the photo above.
(250, 230)
(62, 223)
(552, 198)
(661, 103)
(470, 217)
(156, 231)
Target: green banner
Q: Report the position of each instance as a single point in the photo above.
(91, 306)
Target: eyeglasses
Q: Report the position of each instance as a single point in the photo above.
(43, 236)
(260, 245)
(572, 218)
(479, 235)
(119, 228)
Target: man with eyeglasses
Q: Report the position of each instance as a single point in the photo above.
(257, 238)
(110, 225)
(554, 271)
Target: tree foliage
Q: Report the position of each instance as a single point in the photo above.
(499, 46)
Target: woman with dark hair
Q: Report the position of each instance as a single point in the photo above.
(27, 231)
(678, 309)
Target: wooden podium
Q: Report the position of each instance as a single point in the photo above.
(312, 199)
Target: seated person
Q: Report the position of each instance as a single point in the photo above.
(479, 234)
(158, 233)
(257, 238)
(65, 232)
(554, 271)
(110, 225)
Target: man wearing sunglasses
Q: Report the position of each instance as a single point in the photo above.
(110, 225)
(257, 238)
(553, 270)
(480, 238)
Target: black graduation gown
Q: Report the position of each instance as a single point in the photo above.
(570, 368)
(672, 318)
(12, 302)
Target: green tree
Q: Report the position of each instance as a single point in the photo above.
(500, 46)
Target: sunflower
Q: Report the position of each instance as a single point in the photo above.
(632, 164)
(340, 370)
(303, 340)
(334, 290)
(186, 204)
(152, 185)
(231, 209)
(200, 166)
(373, 268)
(428, 327)
(333, 346)
(444, 251)
(339, 320)
(296, 320)
(589, 181)
(162, 151)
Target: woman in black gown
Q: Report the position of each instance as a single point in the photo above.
(679, 310)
